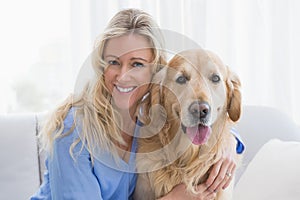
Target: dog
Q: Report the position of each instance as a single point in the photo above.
(193, 103)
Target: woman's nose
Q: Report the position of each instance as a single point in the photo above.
(124, 73)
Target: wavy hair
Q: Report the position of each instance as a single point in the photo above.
(98, 119)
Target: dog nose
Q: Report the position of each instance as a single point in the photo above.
(199, 109)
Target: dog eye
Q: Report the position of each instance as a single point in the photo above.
(215, 78)
(181, 80)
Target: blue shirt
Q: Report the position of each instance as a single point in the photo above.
(66, 178)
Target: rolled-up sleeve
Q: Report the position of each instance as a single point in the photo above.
(240, 147)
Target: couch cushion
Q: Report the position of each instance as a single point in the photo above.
(19, 174)
(272, 174)
(260, 124)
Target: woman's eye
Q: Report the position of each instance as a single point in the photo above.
(181, 80)
(137, 64)
(215, 78)
(113, 62)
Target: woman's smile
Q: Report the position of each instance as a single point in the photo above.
(125, 89)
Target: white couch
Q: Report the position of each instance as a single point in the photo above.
(21, 167)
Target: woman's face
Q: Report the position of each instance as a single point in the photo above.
(129, 70)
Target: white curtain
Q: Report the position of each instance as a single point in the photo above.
(258, 39)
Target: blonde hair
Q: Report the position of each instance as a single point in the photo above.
(99, 128)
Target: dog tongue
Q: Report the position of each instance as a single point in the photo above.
(198, 134)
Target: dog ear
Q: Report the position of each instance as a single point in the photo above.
(152, 98)
(234, 96)
(157, 86)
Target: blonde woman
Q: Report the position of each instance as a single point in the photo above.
(90, 141)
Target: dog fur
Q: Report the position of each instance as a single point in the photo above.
(166, 155)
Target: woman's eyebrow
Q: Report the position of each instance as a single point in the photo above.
(111, 56)
(139, 58)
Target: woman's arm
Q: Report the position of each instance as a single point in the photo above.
(69, 178)
(220, 175)
(65, 177)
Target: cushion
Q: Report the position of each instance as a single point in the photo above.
(258, 125)
(19, 173)
(272, 174)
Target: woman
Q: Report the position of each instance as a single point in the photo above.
(90, 138)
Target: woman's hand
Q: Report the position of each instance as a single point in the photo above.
(179, 192)
(221, 173)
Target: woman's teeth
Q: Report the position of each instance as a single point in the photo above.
(120, 89)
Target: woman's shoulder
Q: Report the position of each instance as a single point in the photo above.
(70, 134)
(69, 119)
(72, 118)
(71, 125)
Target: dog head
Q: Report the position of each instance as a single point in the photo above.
(200, 91)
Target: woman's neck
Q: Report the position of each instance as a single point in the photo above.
(127, 127)
(127, 121)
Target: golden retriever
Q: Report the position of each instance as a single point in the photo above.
(193, 104)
